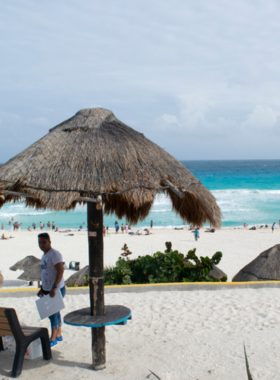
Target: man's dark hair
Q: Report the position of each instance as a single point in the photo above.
(44, 235)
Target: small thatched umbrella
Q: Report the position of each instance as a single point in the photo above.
(93, 154)
(26, 263)
(217, 272)
(1, 279)
(32, 274)
(31, 266)
(77, 279)
(265, 267)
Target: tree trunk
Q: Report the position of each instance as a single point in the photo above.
(96, 282)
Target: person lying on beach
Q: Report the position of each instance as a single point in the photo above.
(147, 232)
(28, 229)
(138, 233)
(176, 228)
(3, 237)
(210, 230)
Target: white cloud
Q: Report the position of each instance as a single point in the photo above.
(262, 118)
(168, 119)
(194, 71)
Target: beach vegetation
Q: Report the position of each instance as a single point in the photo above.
(161, 267)
(247, 365)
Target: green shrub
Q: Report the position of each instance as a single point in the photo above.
(170, 266)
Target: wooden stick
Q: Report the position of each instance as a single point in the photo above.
(181, 194)
(174, 188)
(98, 345)
(25, 195)
(96, 282)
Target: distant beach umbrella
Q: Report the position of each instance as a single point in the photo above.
(32, 274)
(95, 157)
(217, 272)
(94, 151)
(78, 277)
(27, 263)
(1, 279)
(265, 267)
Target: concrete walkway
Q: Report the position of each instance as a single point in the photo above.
(141, 288)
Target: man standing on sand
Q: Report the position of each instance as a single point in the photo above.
(273, 226)
(52, 281)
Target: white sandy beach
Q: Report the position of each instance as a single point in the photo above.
(239, 247)
(178, 335)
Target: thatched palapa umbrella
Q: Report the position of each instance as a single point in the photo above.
(31, 266)
(77, 279)
(265, 267)
(94, 154)
(26, 263)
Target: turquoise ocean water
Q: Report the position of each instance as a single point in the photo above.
(247, 192)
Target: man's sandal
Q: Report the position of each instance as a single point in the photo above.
(53, 343)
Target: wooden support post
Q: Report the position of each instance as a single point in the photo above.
(98, 345)
(96, 282)
(173, 188)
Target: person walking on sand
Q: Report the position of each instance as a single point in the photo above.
(49, 225)
(52, 281)
(41, 226)
(53, 226)
(107, 231)
(34, 226)
(122, 228)
(196, 234)
(152, 223)
(117, 227)
(126, 228)
(273, 226)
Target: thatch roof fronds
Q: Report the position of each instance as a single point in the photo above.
(31, 274)
(26, 263)
(95, 152)
(265, 267)
(77, 279)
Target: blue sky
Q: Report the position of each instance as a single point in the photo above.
(199, 78)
